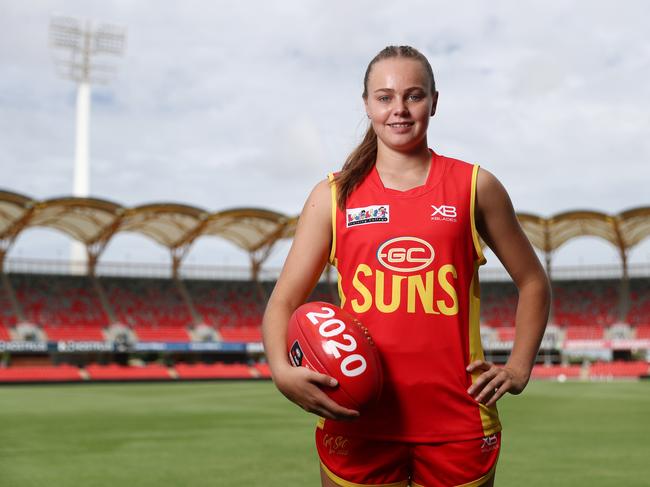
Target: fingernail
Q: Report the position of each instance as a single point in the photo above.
(333, 382)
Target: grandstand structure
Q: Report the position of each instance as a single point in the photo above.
(90, 326)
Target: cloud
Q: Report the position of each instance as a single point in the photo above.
(228, 104)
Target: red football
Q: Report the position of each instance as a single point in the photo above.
(329, 340)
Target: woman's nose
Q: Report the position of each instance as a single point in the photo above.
(400, 107)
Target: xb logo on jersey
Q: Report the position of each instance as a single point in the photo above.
(490, 443)
(445, 213)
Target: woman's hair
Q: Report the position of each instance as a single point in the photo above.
(363, 157)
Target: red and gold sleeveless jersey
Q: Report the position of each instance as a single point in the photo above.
(407, 266)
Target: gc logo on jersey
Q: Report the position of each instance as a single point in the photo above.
(367, 214)
(405, 254)
(444, 213)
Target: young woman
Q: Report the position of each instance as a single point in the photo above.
(402, 224)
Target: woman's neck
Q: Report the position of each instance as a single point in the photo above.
(403, 170)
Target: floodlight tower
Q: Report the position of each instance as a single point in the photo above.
(81, 42)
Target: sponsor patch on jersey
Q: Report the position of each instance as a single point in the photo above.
(367, 214)
(445, 213)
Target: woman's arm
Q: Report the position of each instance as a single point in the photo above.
(498, 226)
(301, 271)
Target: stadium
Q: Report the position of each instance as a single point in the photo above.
(191, 336)
(95, 327)
(140, 240)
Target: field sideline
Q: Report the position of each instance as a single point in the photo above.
(247, 434)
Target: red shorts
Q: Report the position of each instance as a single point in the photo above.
(356, 462)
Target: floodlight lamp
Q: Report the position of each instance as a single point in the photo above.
(66, 32)
(109, 39)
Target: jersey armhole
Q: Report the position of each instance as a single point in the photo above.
(332, 257)
(475, 237)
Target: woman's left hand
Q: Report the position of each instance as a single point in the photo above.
(495, 381)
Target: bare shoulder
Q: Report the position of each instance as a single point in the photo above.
(491, 195)
(489, 190)
(321, 193)
(319, 203)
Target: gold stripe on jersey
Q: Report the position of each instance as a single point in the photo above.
(344, 483)
(330, 176)
(489, 415)
(475, 238)
(339, 283)
(320, 424)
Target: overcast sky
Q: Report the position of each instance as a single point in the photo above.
(249, 103)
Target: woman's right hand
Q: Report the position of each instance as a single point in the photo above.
(303, 387)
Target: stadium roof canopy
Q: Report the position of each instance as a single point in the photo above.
(176, 226)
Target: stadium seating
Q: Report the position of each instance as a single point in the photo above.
(619, 369)
(554, 371)
(506, 334)
(4, 334)
(154, 308)
(263, 370)
(585, 332)
(236, 308)
(62, 373)
(213, 371)
(585, 303)
(639, 312)
(73, 332)
(66, 306)
(154, 333)
(241, 333)
(118, 372)
(7, 314)
(643, 331)
(498, 304)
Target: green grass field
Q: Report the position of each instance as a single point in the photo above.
(247, 434)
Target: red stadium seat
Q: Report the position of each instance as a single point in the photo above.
(643, 331)
(619, 369)
(74, 332)
(118, 372)
(554, 371)
(64, 304)
(147, 333)
(507, 334)
(62, 373)
(153, 307)
(213, 371)
(4, 334)
(263, 370)
(585, 332)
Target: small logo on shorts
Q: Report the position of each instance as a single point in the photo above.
(336, 445)
(367, 214)
(490, 443)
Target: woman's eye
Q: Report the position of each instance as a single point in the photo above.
(415, 97)
(383, 98)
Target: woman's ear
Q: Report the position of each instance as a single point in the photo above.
(435, 103)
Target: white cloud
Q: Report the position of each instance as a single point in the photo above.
(250, 103)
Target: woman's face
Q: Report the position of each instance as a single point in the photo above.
(400, 103)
